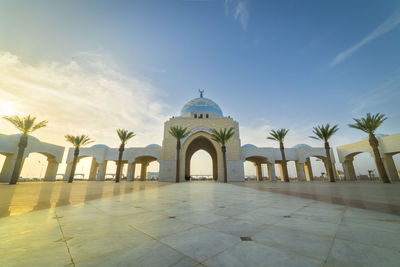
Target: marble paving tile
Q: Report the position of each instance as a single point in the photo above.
(259, 217)
(85, 246)
(27, 238)
(370, 236)
(381, 224)
(237, 227)
(200, 243)
(253, 254)
(135, 229)
(295, 241)
(201, 217)
(368, 214)
(139, 218)
(39, 254)
(347, 253)
(164, 227)
(311, 226)
(149, 254)
(228, 211)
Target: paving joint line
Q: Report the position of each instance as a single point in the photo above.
(64, 240)
(159, 240)
(334, 237)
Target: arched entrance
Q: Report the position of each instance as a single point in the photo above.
(205, 144)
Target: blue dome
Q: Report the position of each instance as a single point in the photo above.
(201, 104)
(249, 145)
(99, 146)
(302, 146)
(153, 146)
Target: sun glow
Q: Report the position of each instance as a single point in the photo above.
(6, 108)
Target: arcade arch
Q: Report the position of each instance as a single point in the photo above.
(201, 143)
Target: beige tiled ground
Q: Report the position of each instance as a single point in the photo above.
(193, 224)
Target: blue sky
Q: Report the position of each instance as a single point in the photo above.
(268, 64)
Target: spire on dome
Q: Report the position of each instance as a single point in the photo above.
(201, 93)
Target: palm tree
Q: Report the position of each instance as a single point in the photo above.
(369, 125)
(77, 142)
(222, 136)
(124, 136)
(324, 133)
(279, 135)
(26, 125)
(179, 133)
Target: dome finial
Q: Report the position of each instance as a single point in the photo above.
(201, 93)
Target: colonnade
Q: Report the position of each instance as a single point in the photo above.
(98, 170)
(303, 169)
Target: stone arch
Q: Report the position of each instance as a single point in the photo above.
(197, 140)
(348, 163)
(144, 161)
(258, 161)
(50, 168)
(197, 144)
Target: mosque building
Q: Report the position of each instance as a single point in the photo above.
(199, 116)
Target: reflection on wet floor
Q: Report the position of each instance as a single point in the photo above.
(29, 196)
(364, 195)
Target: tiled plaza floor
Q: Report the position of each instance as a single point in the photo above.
(191, 224)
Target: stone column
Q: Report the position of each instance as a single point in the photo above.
(308, 170)
(271, 171)
(101, 171)
(8, 168)
(281, 171)
(390, 168)
(51, 171)
(93, 170)
(349, 172)
(258, 171)
(67, 171)
(131, 171)
(301, 175)
(143, 171)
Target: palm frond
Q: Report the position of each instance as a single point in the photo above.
(26, 125)
(125, 135)
(222, 136)
(370, 123)
(324, 132)
(278, 135)
(78, 140)
(39, 125)
(179, 132)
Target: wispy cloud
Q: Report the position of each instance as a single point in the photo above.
(378, 96)
(239, 10)
(88, 94)
(389, 24)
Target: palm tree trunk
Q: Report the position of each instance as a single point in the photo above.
(118, 174)
(284, 163)
(224, 161)
(178, 149)
(378, 160)
(74, 162)
(329, 162)
(23, 142)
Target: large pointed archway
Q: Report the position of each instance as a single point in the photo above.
(205, 144)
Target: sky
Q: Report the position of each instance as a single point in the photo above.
(94, 66)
